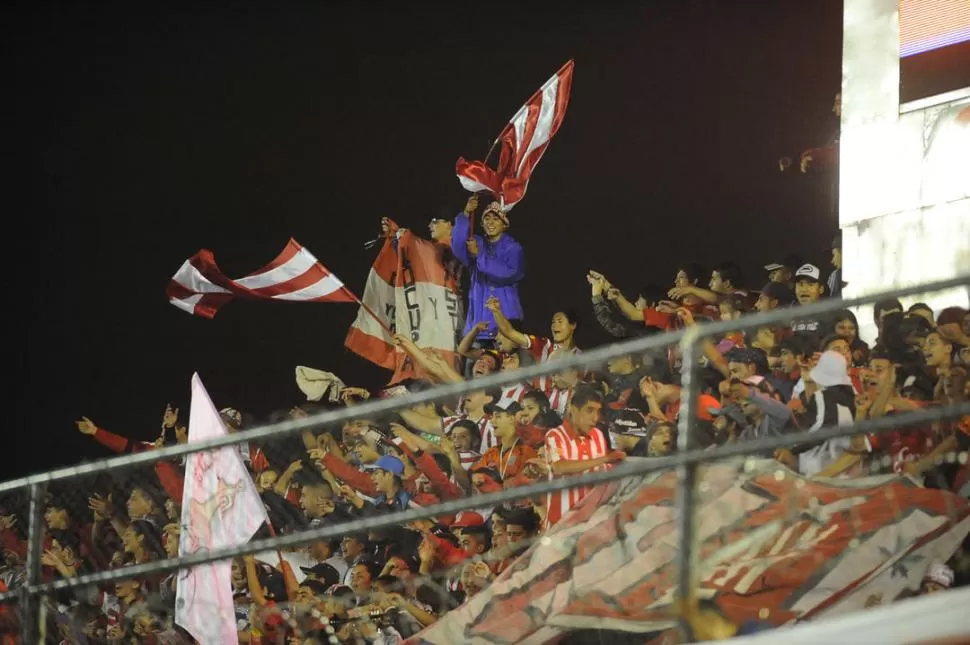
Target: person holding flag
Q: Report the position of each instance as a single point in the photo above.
(496, 264)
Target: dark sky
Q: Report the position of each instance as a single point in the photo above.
(146, 134)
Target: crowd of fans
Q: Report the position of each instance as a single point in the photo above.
(386, 585)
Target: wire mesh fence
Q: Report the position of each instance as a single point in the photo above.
(355, 549)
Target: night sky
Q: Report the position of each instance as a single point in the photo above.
(146, 134)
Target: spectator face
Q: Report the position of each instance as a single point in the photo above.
(764, 339)
(728, 312)
(837, 258)
(511, 361)
(462, 438)
(515, 534)
(764, 303)
(530, 410)
(565, 380)
(365, 453)
(56, 518)
(238, 575)
(808, 291)
(842, 347)
(936, 350)
(471, 545)
(681, 279)
(266, 480)
(881, 369)
(493, 225)
(479, 399)
(484, 365)
(172, 511)
(562, 330)
(789, 362)
(847, 329)
(717, 283)
(139, 504)
(470, 582)
(170, 539)
(440, 230)
(351, 547)
(620, 365)
(504, 423)
(322, 550)
(316, 500)
(383, 480)
(360, 579)
(661, 441)
(504, 343)
(398, 568)
(484, 484)
(781, 276)
(127, 590)
(130, 540)
(741, 371)
(586, 417)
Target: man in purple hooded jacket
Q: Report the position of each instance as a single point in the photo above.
(495, 261)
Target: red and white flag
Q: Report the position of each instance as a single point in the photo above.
(523, 142)
(199, 286)
(409, 291)
(220, 509)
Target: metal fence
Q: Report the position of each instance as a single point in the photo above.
(686, 460)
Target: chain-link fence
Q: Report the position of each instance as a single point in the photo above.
(356, 549)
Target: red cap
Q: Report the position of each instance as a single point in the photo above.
(467, 518)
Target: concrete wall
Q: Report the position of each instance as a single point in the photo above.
(904, 185)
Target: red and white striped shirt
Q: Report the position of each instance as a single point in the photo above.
(566, 444)
(541, 349)
(559, 399)
(513, 393)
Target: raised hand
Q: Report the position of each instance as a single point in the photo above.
(86, 426)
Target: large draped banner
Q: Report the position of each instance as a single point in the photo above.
(773, 547)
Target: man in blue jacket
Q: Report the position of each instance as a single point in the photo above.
(495, 261)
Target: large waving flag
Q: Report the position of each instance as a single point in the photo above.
(199, 286)
(523, 142)
(772, 546)
(220, 508)
(409, 291)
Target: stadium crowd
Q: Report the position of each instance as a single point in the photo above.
(387, 585)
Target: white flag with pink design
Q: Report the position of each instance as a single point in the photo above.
(220, 508)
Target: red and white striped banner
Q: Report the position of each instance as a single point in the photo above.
(200, 288)
(409, 291)
(523, 142)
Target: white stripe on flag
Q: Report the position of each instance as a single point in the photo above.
(193, 280)
(547, 113)
(187, 304)
(318, 289)
(471, 185)
(296, 266)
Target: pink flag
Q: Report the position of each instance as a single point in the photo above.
(523, 141)
(220, 508)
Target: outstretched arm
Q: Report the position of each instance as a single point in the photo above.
(503, 324)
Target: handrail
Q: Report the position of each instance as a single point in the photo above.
(630, 469)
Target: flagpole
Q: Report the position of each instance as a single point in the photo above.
(370, 311)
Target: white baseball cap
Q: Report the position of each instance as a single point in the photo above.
(809, 271)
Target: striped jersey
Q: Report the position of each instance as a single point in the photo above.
(559, 400)
(541, 349)
(512, 393)
(565, 444)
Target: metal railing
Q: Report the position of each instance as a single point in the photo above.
(685, 460)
